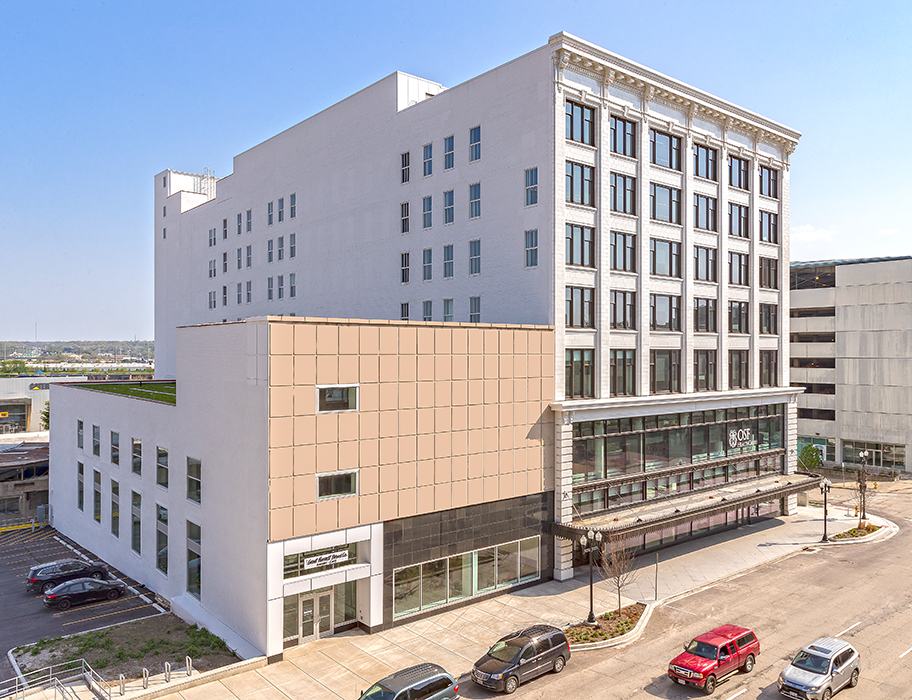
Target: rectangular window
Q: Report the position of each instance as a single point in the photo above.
(427, 310)
(738, 376)
(426, 267)
(224, 229)
(475, 200)
(738, 315)
(428, 160)
(404, 158)
(115, 448)
(249, 252)
(580, 123)
(281, 248)
(739, 269)
(249, 291)
(281, 209)
(769, 273)
(665, 149)
(269, 289)
(665, 203)
(224, 295)
(704, 370)
(269, 250)
(403, 218)
(80, 485)
(705, 264)
(448, 153)
(474, 143)
(96, 496)
(532, 248)
(664, 258)
(769, 227)
(448, 261)
(580, 245)
(136, 523)
(337, 485)
(292, 205)
(212, 237)
(475, 257)
(161, 539)
(474, 309)
(817, 413)
(240, 258)
(269, 214)
(580, 307)
(623, 194)
(337, 398)
(739, 221)
(705, 162)
(623, 137)
(580, 184)
(115, 509)
(281, 286)
(738, 173)
(769, 319)
(704, 212)
(194, 560)
(404, 311)
(240, 293)
(704, 315)
(449, 209)
(531, 186)
(249, 220)
(664, 312)
(622, 377)
(769, 182)
(769, 368)
(240, 222)
(291, 245)
(623, 251)
(578, 373)
(96, 441)
(404, 268)
(623, 310)
(136, 452)
(194, 479)
(664, 371)
(161, 467)
(447, 310)
(427, 211)
(211, 300)
(212, 272)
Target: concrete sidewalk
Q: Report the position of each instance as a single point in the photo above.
(340, 667)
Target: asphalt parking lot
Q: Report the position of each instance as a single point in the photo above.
(23, 617)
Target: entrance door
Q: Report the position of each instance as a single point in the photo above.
(316, 615)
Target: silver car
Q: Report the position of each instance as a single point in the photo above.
(820, 669)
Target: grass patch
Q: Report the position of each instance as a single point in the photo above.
(863, 531)
(609, 625)
(165, 392)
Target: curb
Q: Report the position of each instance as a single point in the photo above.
(630, 636)
(203, 678)
(887, 529)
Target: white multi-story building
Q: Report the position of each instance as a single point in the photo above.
(643, 220)
(850, 336)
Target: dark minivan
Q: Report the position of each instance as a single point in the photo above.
(44, 577)
(422, 682)
(521, 656)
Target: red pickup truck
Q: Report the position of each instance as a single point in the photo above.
(712, 657)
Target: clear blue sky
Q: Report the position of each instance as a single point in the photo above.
(95, 98)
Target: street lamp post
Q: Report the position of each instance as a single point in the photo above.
(863, 484)
(594, 539)
(825, 489)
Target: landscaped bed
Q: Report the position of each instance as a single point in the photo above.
(862, 531)
(130, 647)
(608, 625)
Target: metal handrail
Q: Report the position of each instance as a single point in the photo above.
(67, 693)
(43, 678)
(91, 675)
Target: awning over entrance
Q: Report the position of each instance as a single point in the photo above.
(636, 520)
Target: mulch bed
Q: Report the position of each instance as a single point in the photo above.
(857, 532)
(609, 625)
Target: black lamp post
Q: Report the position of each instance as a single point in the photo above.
(595, 538)
(825, 489)
(863, 484)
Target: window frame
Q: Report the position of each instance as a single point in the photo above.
(673, 302)
(579, 307)
(674, 365)
(531, 175)
(350, 409)
(705, 264)
(579, 373)
(579, 184)
(475, 143)
(706, 381)
(673, 257)
(739, 269)
(622, 310)
(531, 247)
(706, 159)
(579, 117)
(769, 272)
(623, 136)
(705, 213)
(623, 194)
(769, 181)
(579, 241)
(657, 192)
(711, 318)
(742, 181)
(354, 473)
(673, 148)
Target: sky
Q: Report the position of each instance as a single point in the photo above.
(98, 97)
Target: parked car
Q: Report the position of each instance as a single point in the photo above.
(521, 656)
(712, 657)
(422, 682)
(82, 590)
(820, 670)
(44, 577)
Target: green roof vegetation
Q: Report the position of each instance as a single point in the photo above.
(166, 392)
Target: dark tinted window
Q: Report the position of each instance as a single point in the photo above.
(429, 688)
(748, 638)
(543, 644)
(528, 652)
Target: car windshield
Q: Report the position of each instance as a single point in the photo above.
(506, 651)
(378, 692)
(698, 648)
(811, 662)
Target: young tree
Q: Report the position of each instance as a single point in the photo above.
(46, 416)
(809, 459)
(617, 564)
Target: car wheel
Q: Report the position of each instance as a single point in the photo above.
(853, 681)
(710, 686)
(97, 575)
(827, 694)
(45, 587)
(559, 664)
(64, 604)
(748, 664)
(113, 594)
(511, 685)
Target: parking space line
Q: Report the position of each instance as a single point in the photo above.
(847, 629)
(740, 692)
(905, 652)
(679, 610)
(100, 603)
(116, 612)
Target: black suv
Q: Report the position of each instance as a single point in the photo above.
(422, 682)
(45, 576)
(521, 656)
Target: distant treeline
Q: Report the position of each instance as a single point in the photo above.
(87, 349)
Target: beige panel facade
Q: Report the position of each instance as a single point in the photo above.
(448, 415)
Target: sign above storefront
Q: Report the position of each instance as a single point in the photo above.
(327, 559)
(740, 438)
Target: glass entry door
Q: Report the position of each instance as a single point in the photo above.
(315, 614)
